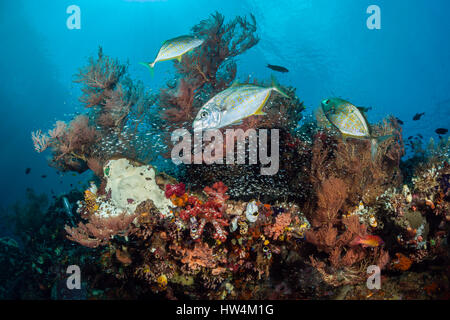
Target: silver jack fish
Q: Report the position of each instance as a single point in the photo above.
(174, 49)
(349, 120)
(233, 105)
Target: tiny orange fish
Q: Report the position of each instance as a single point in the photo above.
(367, 241)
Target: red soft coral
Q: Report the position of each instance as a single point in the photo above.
(210, 211)
(175, 189)
(217, 192)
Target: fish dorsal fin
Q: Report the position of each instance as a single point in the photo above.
(237, 122)
(166, 42)
(175, 39)
(179, 58)
(276, 87)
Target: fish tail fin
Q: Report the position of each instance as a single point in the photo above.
(276, 87)
(375, 142)
(150, 67)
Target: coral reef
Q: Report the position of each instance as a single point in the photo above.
(418, 212)
(205, 240)
(128, 186)
(351, 161)
(118, 114)
(346, 258)
(35, 254)
(72, 145)
(217, 231)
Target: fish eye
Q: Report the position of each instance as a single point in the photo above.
(327, 101)
(203, 114)
(194, 230)
(265, 249)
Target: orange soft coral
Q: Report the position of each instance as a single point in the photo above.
(282, 221)
(402, 263)
(200, 256)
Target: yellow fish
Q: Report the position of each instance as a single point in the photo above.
(349, 120)
(233, 105)
(174, 49)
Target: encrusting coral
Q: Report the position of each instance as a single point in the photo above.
(129, 184)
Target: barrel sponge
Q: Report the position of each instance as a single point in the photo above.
(130, 184)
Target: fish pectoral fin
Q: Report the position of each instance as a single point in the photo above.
(179, 58)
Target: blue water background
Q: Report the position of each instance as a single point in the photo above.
(401, 69)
